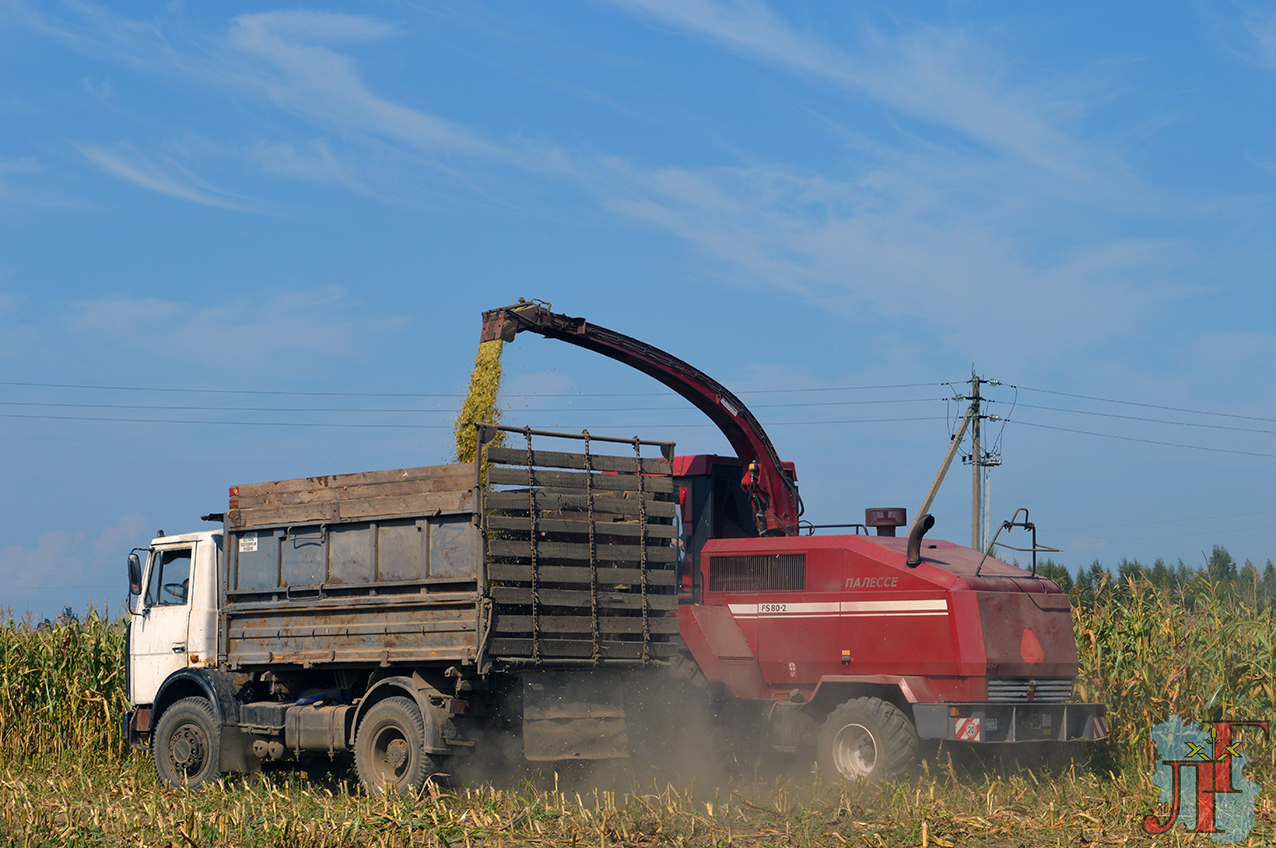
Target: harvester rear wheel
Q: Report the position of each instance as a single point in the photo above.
(867, 739)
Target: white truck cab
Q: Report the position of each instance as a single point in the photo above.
(173, 606)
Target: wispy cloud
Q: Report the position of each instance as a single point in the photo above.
(882, 250)
(161, 174)
(946, 77)
(279, 331)
(1261, 27)
(15, 190)
(313, 162)
(294, 67)
(295, 62)
(54, 562)
(919, 226)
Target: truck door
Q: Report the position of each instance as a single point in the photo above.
(159, 629)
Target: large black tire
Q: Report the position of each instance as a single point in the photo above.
(867, 739)
(389, 748)
(186, 743)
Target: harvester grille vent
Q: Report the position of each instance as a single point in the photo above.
(778, 573)
(1030, 690)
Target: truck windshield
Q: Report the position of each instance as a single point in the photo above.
(170, 578)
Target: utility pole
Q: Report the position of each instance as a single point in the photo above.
(976, 467)
(980, 465)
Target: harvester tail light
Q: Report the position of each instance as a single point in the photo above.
(1030, 649)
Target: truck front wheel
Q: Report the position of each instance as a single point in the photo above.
(867, 739)
(185, 744)
(389, 748)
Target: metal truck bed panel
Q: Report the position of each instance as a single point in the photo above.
(381, 567)
(416, 628)
(410, 549)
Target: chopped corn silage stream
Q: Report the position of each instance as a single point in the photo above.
(480, 404)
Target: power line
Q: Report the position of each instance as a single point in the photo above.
(424, 426)
(1145, 441)
(1150, 420)
(222, 423)
(427, 395)
(220, 391)
(1151, 405)
(448, 410)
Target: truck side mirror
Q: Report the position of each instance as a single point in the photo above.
(134, 575)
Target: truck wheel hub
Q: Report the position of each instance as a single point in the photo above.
(396, 754)
(188, 749)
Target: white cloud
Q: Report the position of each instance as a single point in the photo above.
(54, 565)
(321, 84)
(161, 174)
(1261, 26)
(915, 228)
(315, 162)
(949, 78)
(102, 89)
(274, 332)
(128, 532)
(894, 245)
(60, 568)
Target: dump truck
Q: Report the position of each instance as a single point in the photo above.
(569, 592)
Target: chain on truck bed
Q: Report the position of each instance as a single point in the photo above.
(581, 556)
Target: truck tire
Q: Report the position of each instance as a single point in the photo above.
(186, 742)
(867, 739)
(389, 748)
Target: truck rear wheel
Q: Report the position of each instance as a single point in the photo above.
(867, 739)
(389, 748)
(185, 744)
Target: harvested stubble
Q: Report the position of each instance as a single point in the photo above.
(120, 803)
(480, 404)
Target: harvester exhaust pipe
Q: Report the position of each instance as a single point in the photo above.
(915, 535)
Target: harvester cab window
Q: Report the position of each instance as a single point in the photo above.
(170, 578)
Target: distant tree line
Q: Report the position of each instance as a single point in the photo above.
(1218, 571)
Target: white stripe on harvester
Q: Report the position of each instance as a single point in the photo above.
(844, 608)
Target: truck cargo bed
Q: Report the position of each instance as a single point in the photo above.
(381, 566)
(559, 557)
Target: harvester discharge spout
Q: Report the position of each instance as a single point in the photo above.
(772, 489)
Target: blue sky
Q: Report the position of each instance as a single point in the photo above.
(242, 242)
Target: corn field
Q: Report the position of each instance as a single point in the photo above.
(61, 688)
(1203, 652)
(1147, 652)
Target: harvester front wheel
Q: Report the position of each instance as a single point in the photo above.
(186, 744)
(867, 739)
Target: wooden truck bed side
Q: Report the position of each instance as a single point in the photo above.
(581, 559)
